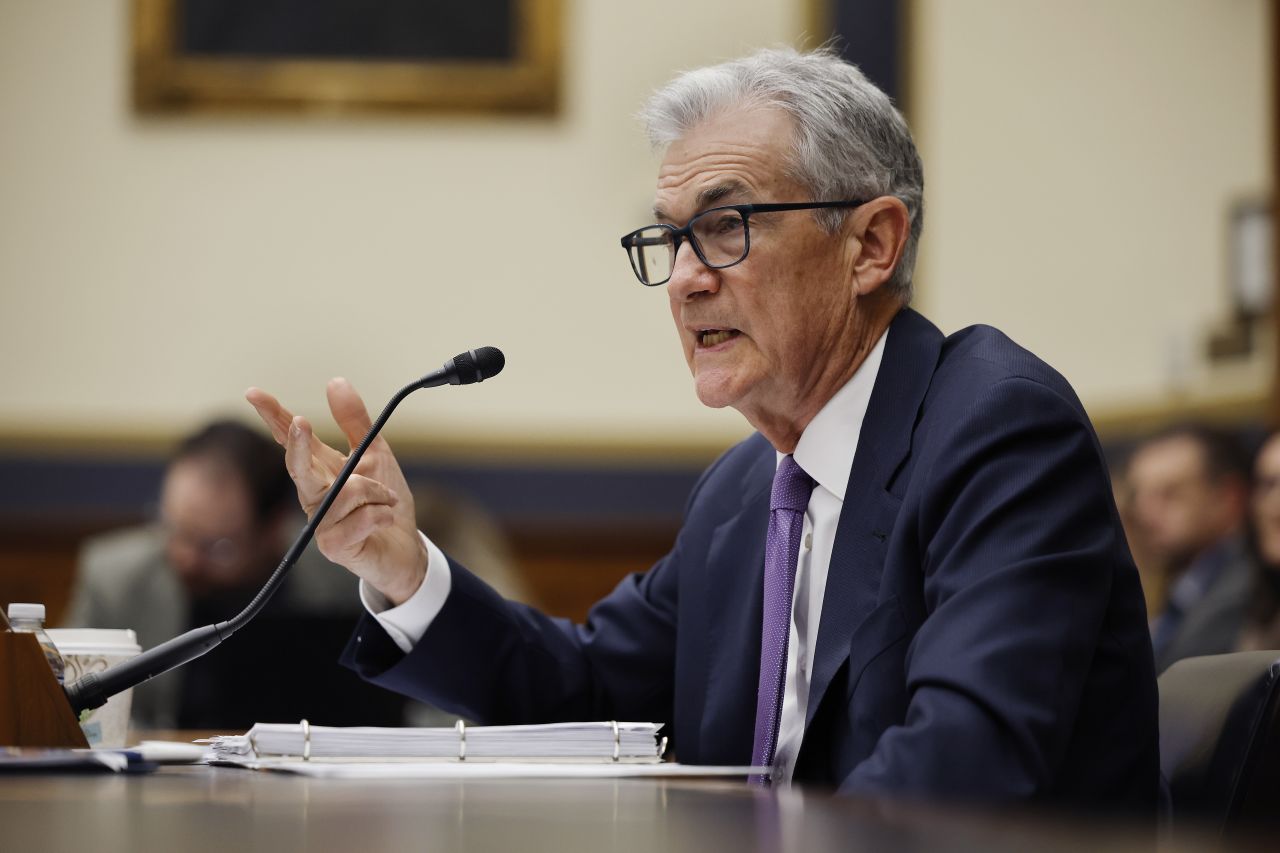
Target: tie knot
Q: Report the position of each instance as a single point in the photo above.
(791, 486)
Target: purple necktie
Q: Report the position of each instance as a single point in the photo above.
(791, 490)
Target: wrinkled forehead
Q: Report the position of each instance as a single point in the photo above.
(206, 493)
(738, 155)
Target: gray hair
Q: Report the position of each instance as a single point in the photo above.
(850, 141)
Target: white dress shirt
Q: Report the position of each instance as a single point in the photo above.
(406, 623)
(825, 452)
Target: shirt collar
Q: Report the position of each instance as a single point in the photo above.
(827, 445)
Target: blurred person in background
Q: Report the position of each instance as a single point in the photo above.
(227, 516)
(1188, 490)
(1150, 572)
(1262, 624)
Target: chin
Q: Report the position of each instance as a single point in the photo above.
(715, 392)
(714, 401)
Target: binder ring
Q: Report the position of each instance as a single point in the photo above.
(617, 740)
(306, 740)
(462, 739)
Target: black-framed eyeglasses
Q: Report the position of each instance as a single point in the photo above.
(721, 237)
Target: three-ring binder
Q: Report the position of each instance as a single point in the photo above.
(582, 742)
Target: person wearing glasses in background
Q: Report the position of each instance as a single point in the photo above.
(226, 516)
(1189, 494)
(911, 581)
(1261, 628)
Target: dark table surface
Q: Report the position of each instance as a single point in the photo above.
(199, 808)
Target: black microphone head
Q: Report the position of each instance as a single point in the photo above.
(477, 365)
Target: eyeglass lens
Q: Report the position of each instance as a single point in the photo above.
(720, 238)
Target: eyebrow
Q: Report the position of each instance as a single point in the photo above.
(709, 197)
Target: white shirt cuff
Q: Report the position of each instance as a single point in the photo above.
(406, 623)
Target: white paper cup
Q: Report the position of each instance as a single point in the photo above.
(87, 650)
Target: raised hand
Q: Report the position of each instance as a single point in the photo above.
(371, 528)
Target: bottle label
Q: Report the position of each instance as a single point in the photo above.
(92, 731)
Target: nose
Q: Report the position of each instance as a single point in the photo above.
(690, 277)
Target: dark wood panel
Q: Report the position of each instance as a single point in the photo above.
(33, 708)
(568, 570)
(565, 569)
(38, 561)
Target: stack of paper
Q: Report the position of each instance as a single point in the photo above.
(606, 741)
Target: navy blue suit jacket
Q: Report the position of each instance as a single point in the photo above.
(983, 633)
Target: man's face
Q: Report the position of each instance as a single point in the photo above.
(1177, 508)
(756, 335)
(213, 543)
(1266, 502)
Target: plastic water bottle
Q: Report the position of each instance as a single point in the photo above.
(29, 619)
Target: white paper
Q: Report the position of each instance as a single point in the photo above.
(171, 752)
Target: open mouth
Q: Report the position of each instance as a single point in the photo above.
(714, 337)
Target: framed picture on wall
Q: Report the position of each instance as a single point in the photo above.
(346, 55)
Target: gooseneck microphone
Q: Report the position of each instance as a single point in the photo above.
(94, 689)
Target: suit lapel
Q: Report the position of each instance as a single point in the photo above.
(733, 596)
(857, 559)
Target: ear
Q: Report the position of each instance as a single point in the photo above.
(880, 228)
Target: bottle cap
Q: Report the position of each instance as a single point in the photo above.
(26, 611)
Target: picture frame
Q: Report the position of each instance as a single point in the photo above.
(338, 56)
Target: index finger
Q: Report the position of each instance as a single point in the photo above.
(275, 416)
(279, 420)
(305, 469)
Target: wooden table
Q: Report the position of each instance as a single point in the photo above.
(202, 808)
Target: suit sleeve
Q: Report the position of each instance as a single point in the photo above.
(499, 662)
(1019, 543)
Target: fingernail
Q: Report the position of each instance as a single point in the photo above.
(295, 430)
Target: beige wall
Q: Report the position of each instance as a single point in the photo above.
(1080, 159)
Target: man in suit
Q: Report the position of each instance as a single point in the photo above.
(911, 581)
(1189, 487)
